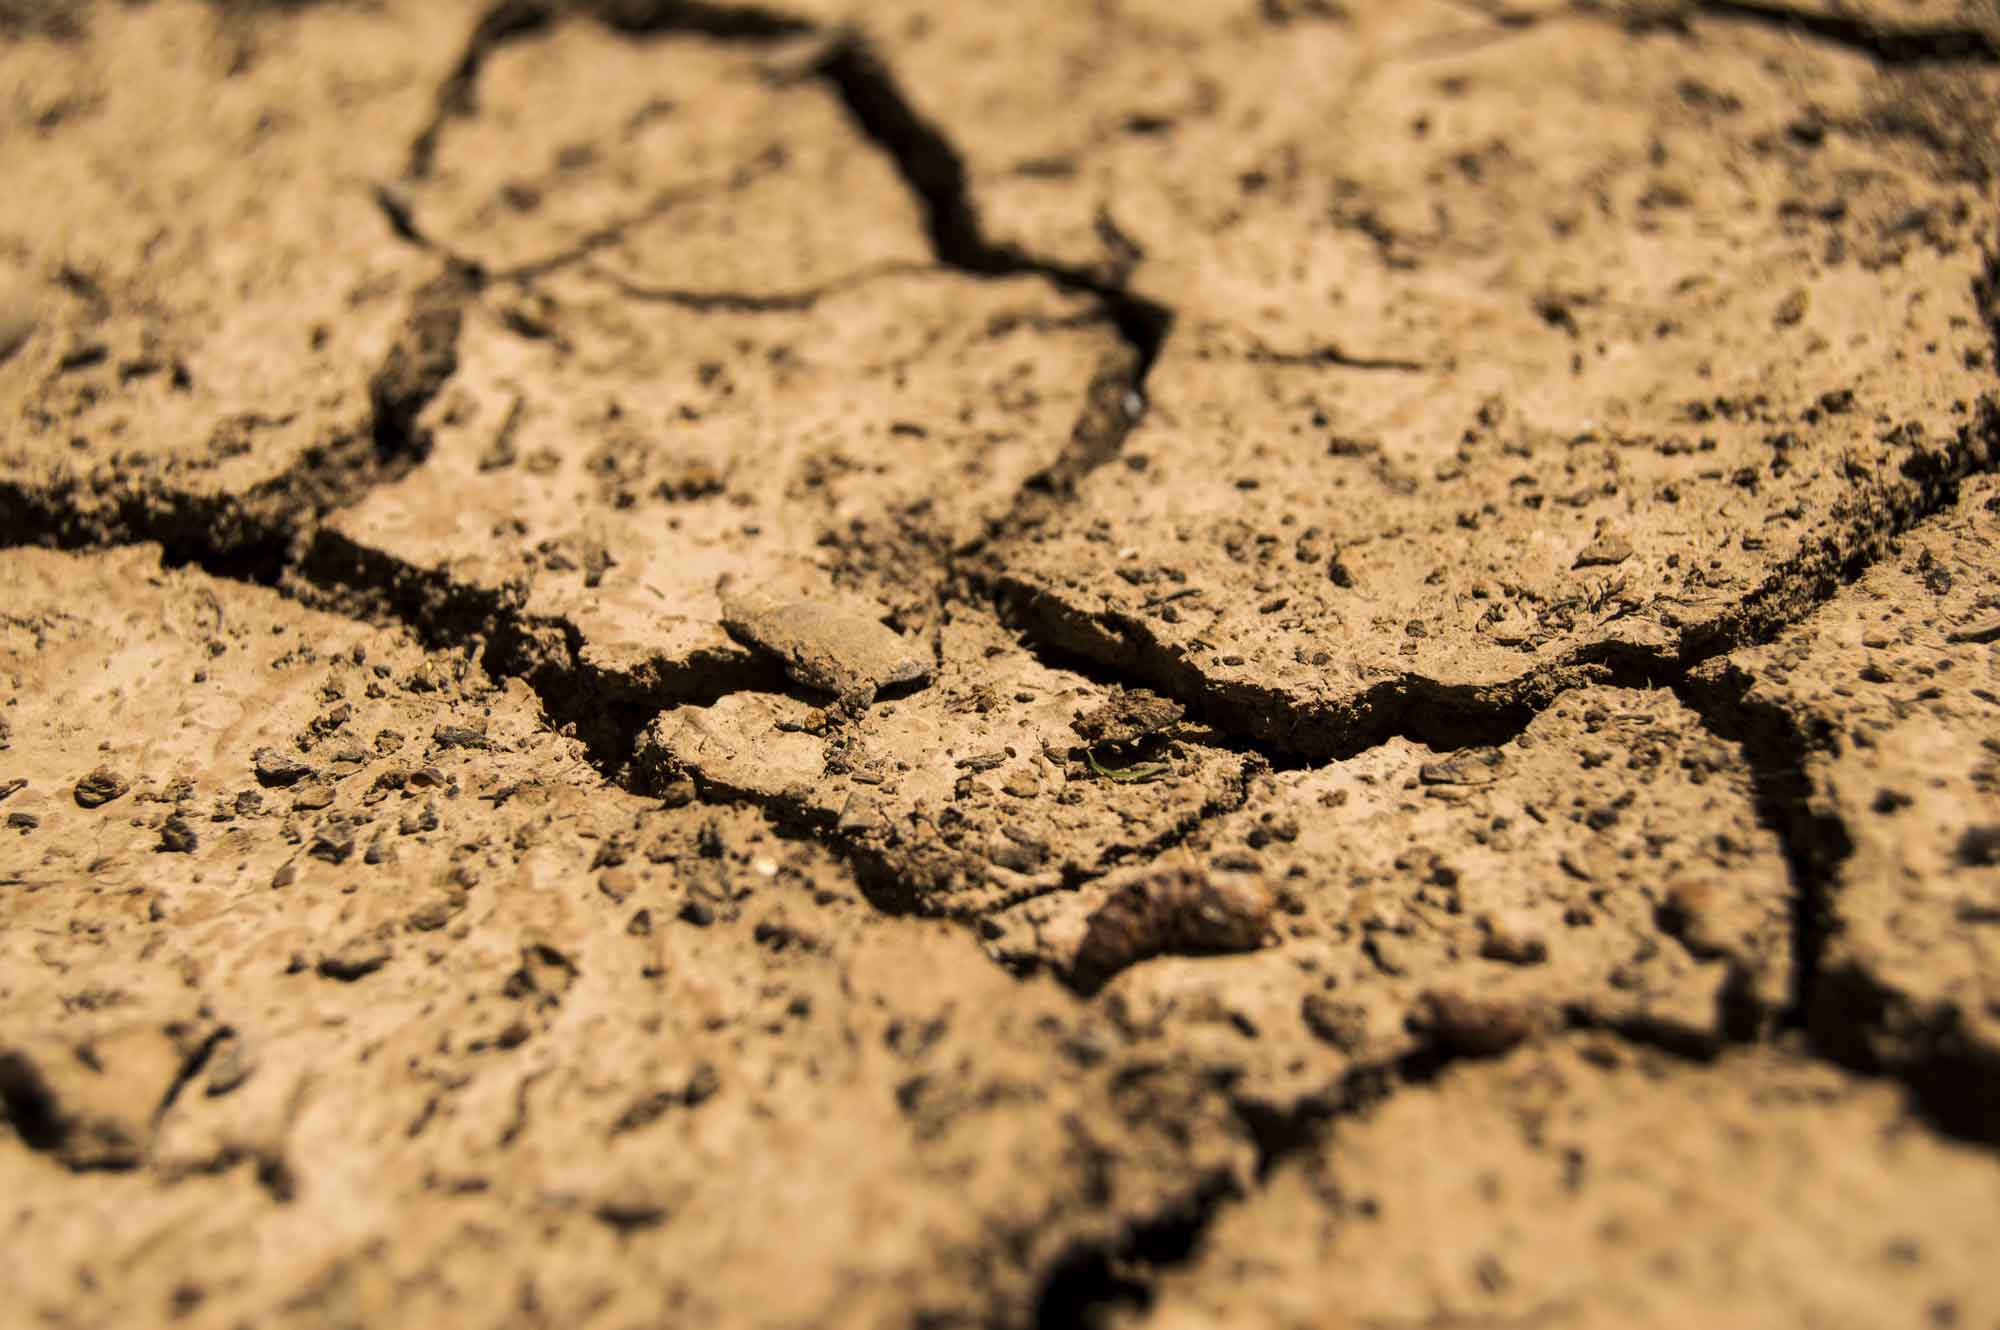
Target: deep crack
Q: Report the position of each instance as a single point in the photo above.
(505, 22)
(1886, 43)
(1118, 1274)
(935, 173)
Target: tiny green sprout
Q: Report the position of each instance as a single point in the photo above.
(1142, 771)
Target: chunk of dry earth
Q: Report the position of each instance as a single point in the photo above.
(216, 303)
(1609, 1187)
(1889, 696)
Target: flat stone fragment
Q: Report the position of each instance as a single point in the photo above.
(829, 647)
(1894, 713)
(1590, 1184)
(277, 768)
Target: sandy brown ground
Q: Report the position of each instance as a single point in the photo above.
(863, 662)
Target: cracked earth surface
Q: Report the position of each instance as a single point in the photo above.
(868, 662)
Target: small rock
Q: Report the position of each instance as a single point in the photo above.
(1606, 551)
(1179, 910)
(824, 646)
(1022, 784)
(333, 843)
(229, 1065)
(312, 798)
(436, 908)
(1127, 715)
(1477, 767)
(1016, 854)
(617, 883)
(860, 815)
(10, 788)
(1341, 1024)
(100, 787)
(177, 836)
(1512, 941)
(462, 736)
(274, 768)
(358, 958)
(1474, 1027)
(22, 822)
(629, 1207)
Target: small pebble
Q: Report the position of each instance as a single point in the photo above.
(1606, 551)
(177, 836)
(100, 787)
(274, 768)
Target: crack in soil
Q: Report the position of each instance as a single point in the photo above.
(505, 22)
(755, 302)
(935, 173)
(255, 536)
(1953, 1085)
(510, 20)
(1888, 44)
(1446, 715)
(1118, 1274)
(269, 536)
(605, 710)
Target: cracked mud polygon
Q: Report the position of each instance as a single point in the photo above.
(862, 662)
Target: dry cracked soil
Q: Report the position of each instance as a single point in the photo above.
(1298, 663)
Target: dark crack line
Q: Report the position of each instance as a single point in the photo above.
(609, 234)
(1119, 1273)
(507, 21)
(1445, 715)
(1955, 1085)
(604, 710)
(935, 173)
(255, 536)
(1887, 44)
(1267, 718)
(191, 1066)
(398, 208)
(1330, 355)
(1814, 842)
(512, 20)
(756, 302)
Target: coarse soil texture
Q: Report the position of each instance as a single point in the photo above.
(894, 663)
